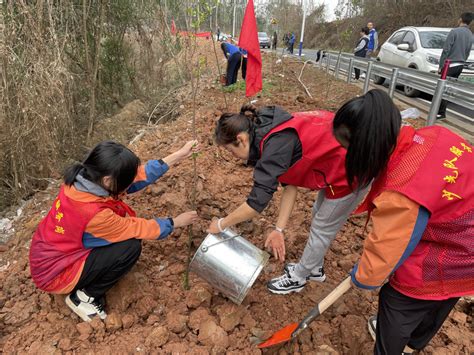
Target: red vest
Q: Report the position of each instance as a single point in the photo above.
(57, 253)
(435, 168)
(322, 163)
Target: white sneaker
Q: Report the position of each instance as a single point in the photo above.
(84, 306)
(320, 276)
(285, 284)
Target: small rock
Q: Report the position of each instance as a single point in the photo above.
(326, 350)
(230, 316)
(84, 329)
(158, 337)
(176, 348)
(345, 264)
(176, 322)
(212, 334)
(459, 317)
(127, 321)
(145, 305)
(197, 317)
(113, 322)
(197, 296)
(152, 319)
(65, 344)
(261, 334)
(248, 321)
(97, 323)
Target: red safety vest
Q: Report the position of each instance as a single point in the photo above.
(435, 168)
(322, 163)
(57, 253)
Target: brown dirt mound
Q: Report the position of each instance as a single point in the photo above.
(150, 312)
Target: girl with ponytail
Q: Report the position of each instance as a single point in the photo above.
(421, 207)
(90, 237)
(296, 150)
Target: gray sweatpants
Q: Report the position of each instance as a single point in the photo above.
(328, 216)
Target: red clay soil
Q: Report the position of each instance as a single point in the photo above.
(150, 312)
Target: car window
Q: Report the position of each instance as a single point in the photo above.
(396, 38)
(409, 38)
(433, 40)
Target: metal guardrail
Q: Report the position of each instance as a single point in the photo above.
(453, 90)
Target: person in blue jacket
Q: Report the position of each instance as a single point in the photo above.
(234, 57)
(291, 43)
(373, 40)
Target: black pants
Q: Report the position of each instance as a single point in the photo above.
(453, 72)
(105, 266)
(357, 71)
(244, 67)
(290, 48)
(403, 320)
(233, 66)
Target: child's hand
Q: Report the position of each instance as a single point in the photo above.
(185, 219)
(188, 149)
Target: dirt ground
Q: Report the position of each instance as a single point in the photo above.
(149, 310)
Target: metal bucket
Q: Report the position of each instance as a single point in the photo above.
(230, 263)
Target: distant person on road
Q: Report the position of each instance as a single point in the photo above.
(218, 33)
(91, 238)
(361, 48)
(291, 42)
(421, 207)
(373, 40)
(274, 41)
(295, 150)
(457, 48)
(233, 55)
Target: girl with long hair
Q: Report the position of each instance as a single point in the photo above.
(421, 206)
(296, 150)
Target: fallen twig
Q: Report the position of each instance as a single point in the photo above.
(161, 101)
(301, 73)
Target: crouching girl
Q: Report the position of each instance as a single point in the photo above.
(90, 238)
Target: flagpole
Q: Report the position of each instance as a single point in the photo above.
(302, 28)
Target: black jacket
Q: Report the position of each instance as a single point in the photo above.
(280, 151)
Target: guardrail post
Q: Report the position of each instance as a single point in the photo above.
(367, 77)
(328, 63)
(349, 71)
(338, 63)
(436, 101)
(393, 82)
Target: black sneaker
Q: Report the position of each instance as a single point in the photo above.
(285, 284)
(440, 117)
(85, 306)
(372, 324)
(320, 276)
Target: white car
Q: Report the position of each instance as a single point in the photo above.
(419, 48)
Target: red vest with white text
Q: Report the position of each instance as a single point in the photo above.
(435, 168)
(57, 252)
(322, 163)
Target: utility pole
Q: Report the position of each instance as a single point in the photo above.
(233, 20)
(302, 27)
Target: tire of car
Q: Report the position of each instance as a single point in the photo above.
(410, 92)
(378, 80)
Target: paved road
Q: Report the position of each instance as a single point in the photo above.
(459, 112)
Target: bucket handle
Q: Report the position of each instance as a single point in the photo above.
(205, 248)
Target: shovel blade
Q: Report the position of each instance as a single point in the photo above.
(281, 336)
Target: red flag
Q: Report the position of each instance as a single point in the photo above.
(248, 40)
(173, 27)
